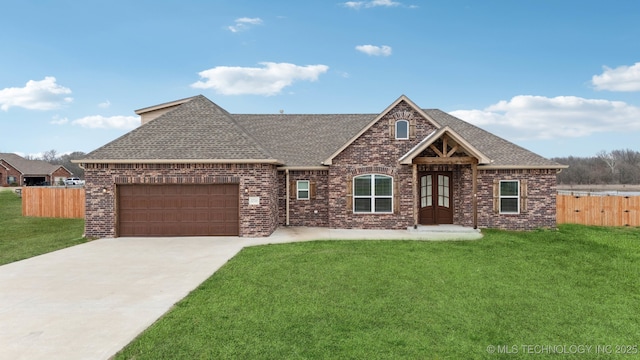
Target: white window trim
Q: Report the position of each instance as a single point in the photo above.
(372, 197)
(396, 125)
(500, 197)
(308, 190)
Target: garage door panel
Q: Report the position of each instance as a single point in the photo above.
(155, 216)
(218, 203)
(230, 203)
(197, 202)
(220, 190)
(232, 216)
(140, 216)
(201, 190)
(196, 216)
(127, 203)
(178, 210)
(169, 216)
(171, 202)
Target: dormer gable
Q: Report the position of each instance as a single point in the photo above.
(402, 116)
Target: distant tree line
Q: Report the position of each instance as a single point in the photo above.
(614, 167)
(52, 157)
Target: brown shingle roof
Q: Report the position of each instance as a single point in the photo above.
(195, 130)
(201, 130)
(303, 140)
(500, 151)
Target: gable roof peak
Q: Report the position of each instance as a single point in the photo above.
(402, 98)
(165, 105)
(407, 158)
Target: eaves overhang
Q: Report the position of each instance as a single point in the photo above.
(178, 161)
(303, 168)
(523, 167)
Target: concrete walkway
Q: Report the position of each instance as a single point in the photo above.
(91, 300)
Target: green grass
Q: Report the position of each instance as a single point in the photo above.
(24, 237)
(412, 300)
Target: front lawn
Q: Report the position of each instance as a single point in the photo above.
(510, 295)
(24, 237)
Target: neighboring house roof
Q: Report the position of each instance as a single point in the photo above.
(199, 130)
(30, 167)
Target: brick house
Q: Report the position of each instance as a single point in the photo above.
(194, 169)
(18, 171)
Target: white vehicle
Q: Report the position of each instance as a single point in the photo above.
(74, 181)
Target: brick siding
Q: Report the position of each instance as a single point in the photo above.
(4, 174)
(312, 212)
(61, 172)
(375, 152)
(254, 180)
(541, 200)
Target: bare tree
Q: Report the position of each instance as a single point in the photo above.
(609, 158)
(627, 156)
(65, 160)
(615, 167)
(50, 156)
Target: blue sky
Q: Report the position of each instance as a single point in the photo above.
(557, 77)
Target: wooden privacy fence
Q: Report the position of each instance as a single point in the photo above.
(53, 202)
(587, 210)
(598, 210)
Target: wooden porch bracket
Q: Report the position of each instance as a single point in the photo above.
(415, 196)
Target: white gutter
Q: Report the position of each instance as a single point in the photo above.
(516, 167)
(178, 161)
(302, 168)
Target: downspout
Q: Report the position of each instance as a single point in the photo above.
(474, 181)
(286, 185)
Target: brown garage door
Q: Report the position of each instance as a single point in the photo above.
(178, 210)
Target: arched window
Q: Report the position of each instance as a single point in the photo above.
(402, 129)
(373, 194)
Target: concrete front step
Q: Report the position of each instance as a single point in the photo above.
(444, 228)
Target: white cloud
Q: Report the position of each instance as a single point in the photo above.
(537, 117)
(36, 95)
(59, 121)
(105, 104)
(622, 78)
(370, 4)
(374, 50)
(244, 23)
(108, 122)
(268, 80)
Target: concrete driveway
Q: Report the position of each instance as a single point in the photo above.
(90, 300)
